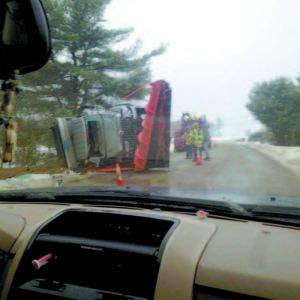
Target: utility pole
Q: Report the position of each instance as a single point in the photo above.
(219, 126)
(248, 132)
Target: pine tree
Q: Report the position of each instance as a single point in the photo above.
(85, 67)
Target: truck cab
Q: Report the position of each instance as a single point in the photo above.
(88, 139)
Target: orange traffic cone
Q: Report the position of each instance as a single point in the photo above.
(120, 181)
(198, 160)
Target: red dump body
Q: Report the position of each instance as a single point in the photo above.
(154, 140)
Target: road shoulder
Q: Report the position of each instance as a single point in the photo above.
(282, 155)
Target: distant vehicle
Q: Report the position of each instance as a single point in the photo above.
(179, 145)
(242, 140)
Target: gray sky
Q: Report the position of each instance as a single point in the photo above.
(218, 50)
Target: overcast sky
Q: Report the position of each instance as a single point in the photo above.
(218, 50)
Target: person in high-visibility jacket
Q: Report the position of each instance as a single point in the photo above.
(187, 137)
(197, 139)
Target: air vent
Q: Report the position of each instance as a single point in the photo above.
(3, 260)
(204, 292)
(112, 255)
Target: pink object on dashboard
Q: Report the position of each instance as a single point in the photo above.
(202, 214)
(42, 261)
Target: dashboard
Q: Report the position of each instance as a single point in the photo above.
(58, 251)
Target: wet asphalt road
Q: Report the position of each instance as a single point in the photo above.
(240, 168)
(233, 167)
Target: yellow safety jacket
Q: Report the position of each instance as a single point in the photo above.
(197, 137)
(188, 138)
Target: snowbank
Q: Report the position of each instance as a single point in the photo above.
(286, 156)
(26, 182)
(289, 155)
(35, 181)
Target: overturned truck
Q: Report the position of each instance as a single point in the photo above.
(136, 138)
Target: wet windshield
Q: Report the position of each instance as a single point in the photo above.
(200, 96)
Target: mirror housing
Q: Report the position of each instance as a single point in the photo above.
(25, 42)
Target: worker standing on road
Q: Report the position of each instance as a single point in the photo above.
(197, 139)
(188, 140)
(206, 139)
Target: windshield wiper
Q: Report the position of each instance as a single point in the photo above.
(126, 196)
(277, 215)
(277, 211)
(56, 194)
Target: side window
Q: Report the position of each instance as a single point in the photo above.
(116, 109)
(126, 112)
(94, 136)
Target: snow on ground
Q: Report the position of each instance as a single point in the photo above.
(172, 145)
(26, 182)
(35, 181)
(286, 156)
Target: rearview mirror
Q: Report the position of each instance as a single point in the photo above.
(25, 43)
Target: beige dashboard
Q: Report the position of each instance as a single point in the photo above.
(249, 258)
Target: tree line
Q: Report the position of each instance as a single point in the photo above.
(276, 104)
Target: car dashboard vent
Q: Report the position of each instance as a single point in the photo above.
(3, 261)
(208, 293)
(89, 254)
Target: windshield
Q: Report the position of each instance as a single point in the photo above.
(200, 99)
